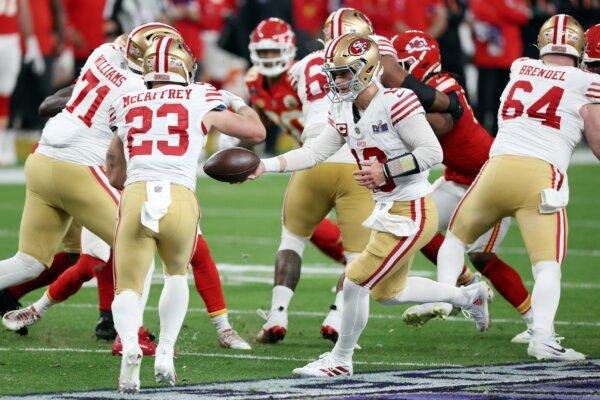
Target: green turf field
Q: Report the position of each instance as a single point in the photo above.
(241, 223)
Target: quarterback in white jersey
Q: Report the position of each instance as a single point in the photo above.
(394, 146)
(159, 135)
(545, 109)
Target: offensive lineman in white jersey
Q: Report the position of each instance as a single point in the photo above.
(160, 133)
(394, 145)
(545, 108)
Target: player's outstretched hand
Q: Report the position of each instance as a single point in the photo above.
(370, 175)
(259, 171)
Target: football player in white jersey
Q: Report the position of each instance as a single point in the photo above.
(160, 133)
(394, 146)
(546, 107)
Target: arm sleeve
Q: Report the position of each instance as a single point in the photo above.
(314, 151)
(417, 134)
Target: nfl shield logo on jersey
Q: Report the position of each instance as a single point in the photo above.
(380, 127)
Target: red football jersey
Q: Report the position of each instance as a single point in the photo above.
(467, 147)
(9, 22)
(278, 100)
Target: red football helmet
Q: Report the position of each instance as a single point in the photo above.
(591, 55)
(418, 53)
(272, 35)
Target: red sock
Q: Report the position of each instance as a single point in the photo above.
(60, 263)
(431, 250)
(106, 285)
(508, 283)
(70, 281)
(328, 238)
(206, 277)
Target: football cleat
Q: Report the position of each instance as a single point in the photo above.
(275, 329)
(420, 314)
(105, 328)
(525, 337)
(9, 302)
(326, 367)
(164, 368)
(145, 340)
(129, 377)
(478, 296)
(19, 319)
(230, 339)
(330, 327)
(551, 349)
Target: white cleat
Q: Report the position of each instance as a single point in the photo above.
(230, 339)
(525, 337)
(420, 314)
(478, 296)
(325, 367)
(164, 368)
(332, 324)
(18, 319)
(129, 378)
(551, 349)
(275, 329)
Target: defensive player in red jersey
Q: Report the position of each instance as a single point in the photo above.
(274, 96)
(591, 56)
(15, 24)
(466, 145)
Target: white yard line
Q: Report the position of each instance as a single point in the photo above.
(222, 355)
(321, 314)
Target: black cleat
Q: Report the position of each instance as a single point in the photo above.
(105, 329)
(8, 302)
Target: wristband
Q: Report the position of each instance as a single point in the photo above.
(271, 164)
(403, 165)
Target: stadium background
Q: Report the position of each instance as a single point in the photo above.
(479, 39)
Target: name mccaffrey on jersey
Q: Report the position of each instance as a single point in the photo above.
(105, 68)
(148, 96)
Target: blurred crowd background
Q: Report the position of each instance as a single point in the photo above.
(479, 39)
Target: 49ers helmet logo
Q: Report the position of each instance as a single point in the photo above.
(358, 47)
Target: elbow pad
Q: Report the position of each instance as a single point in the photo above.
(455, 109)
(403, 165)
(425, 93)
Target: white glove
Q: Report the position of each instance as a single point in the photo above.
(232, 101)
(34, 56)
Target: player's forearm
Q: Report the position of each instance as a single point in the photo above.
(591, 127)
(54, 104)
(441, 123)
(426, 148)
(116, 166)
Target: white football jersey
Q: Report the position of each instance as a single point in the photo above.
(539, 111)
(80, 133)
(379, 134)
(162, 131)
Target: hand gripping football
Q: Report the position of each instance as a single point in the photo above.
(231, 165)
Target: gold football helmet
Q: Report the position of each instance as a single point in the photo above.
(140, 39)
(561, 34)
(168, 60)
(121, 42)
(346, 20)
(353, 55)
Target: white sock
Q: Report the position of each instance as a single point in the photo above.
(126, 315)
(354, 320)
(172, 307)
(450, 259)
(221, 322)
(18, 269)
(339, 301)
(423, 290)
(146, 291)
(282, 295)
(545, 297)
(43, 304)
(528, 318)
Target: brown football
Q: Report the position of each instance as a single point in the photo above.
(231, 165)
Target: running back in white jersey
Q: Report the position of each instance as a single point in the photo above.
(80, 132)
(539, 111)
(379, 134)
(162, 131)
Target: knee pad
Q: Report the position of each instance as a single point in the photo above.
(290, 241)
(29, 264)
(93, 246)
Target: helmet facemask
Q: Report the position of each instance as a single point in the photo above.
(268, 65)
(347, 90)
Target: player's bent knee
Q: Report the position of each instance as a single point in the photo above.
(480, 260)
(291, 241)
(30, 265)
